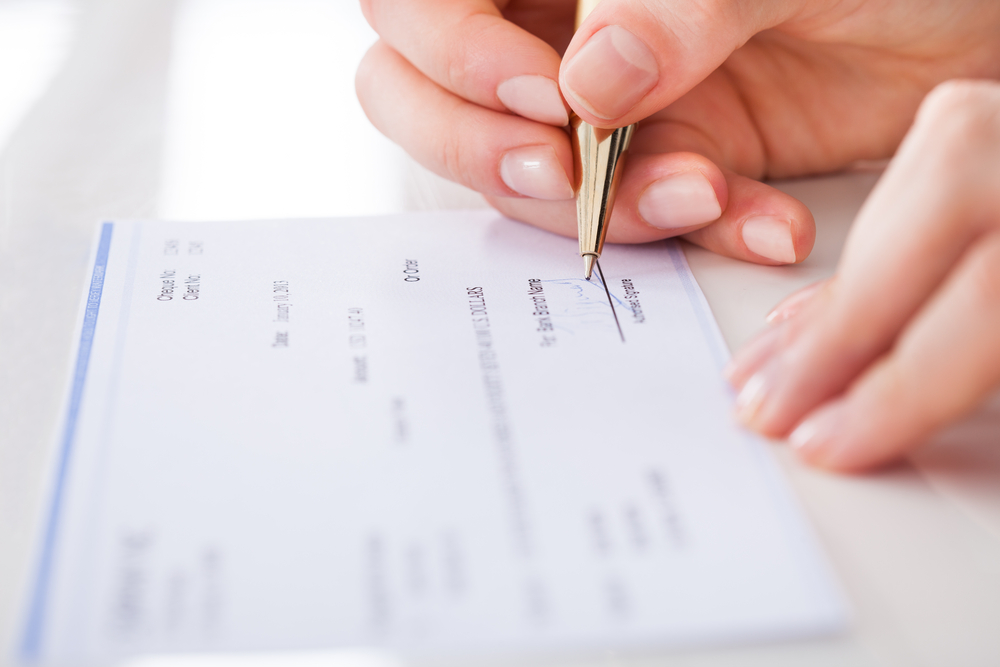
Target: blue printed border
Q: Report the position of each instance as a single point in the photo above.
(32, 640)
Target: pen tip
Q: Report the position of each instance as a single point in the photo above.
(588, 265)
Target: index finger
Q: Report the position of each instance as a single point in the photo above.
(469, 49)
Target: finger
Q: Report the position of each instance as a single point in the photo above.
(468, 48)
(783, 329)
(490, 152)
(945, 364)
(794, 302)
(761, 225)
(630, 59)
(753, 355)
(672, 185)
(671, 194)
(940, 192)
(689, 192)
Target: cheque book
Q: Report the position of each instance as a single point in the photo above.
(424, 433)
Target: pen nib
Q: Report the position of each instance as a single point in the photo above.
(588, 265)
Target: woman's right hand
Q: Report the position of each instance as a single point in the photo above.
(727, 92)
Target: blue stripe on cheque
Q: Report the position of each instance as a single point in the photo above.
(32, 640)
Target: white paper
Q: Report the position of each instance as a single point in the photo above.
(422, 433)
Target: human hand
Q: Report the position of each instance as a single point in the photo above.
(727, 92)
(906, 337)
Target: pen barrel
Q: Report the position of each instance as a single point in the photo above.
(583, 9)
(599, 155)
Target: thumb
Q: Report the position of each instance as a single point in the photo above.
(630, 59)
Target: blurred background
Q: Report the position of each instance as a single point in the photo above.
(256, 97)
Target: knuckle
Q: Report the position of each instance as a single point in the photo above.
(463, 58)
(963, 113)
(374, 70)
(450, 159)
(902, 392)
(956, 140)
(369, 9)
(945, 98)
(366, 77)
(457, 69)
(452, 153)
(984, 272)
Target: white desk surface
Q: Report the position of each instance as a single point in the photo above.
(213, 109)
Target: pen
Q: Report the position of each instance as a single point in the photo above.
(597, 159)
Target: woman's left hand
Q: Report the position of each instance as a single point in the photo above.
(906, 337)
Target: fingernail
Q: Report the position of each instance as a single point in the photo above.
(813, 438)
(535, 171)
(751, 397)
(770, 237)
(681, 200)
(753, 356)
(793, 303)
(611, 73)
(534, 97)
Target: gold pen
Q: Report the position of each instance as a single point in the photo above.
(597, 159)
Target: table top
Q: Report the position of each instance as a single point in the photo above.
(232, 109)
